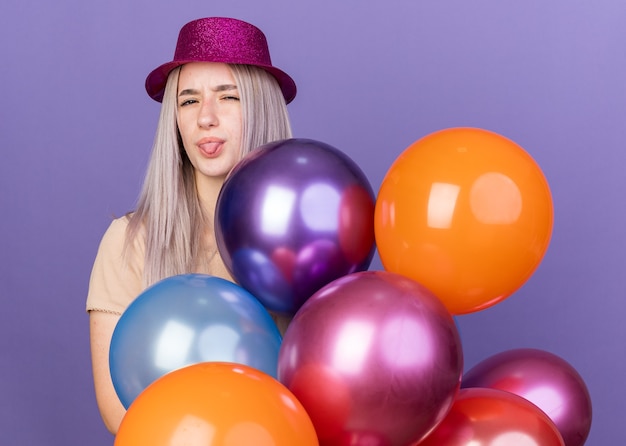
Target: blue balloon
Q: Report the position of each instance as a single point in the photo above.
(189, 319)
(291, 217)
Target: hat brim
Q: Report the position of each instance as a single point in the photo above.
(156, 80)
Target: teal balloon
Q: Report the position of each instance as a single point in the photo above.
(189, 319)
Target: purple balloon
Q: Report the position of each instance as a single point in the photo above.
(374, 358)
(291, 217)
(545, 380)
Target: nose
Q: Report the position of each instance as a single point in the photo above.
(207, 116)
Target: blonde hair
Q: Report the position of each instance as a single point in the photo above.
(168, 209)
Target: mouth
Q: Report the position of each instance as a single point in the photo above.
(210, 147)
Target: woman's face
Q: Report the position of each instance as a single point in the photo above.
(209, 117)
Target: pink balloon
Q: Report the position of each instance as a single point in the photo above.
(544, 379)
(375, 358)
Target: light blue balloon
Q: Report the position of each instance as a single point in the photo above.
(188, 319)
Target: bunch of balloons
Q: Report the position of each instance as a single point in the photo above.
(462, 219)
(194, 358)
(468, 214)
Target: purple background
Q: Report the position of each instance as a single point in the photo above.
(76, 128)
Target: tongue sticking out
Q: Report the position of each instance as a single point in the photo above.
(210, 148)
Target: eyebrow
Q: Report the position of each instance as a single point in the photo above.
(217, 89)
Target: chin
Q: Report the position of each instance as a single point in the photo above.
(213, 174)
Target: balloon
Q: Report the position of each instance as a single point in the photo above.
(495, 418)
(467, 213)
(188, 319)
(291, 217)
(216, 404)
(544, 379)
(374, 358)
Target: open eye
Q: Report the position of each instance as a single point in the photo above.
(187, 102)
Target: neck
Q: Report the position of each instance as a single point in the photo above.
(208, 189)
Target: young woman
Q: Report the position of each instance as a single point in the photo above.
(221, 97)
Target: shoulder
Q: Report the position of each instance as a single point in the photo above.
(116, 276)
(115, 237)
(116, 232)
(120, 247)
